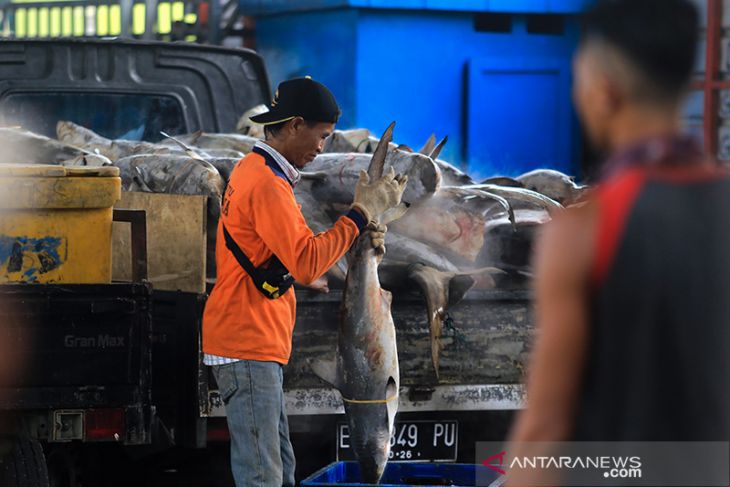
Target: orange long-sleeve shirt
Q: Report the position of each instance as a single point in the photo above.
(261, 214)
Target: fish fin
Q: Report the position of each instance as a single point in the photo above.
(326, 369)
(483, 270)
(359, 146)
(504, 181)
(428, 146)
(459, 285)
(195, 136)
(394, 213)
(186, 148)
(437, 287)
(437, 150)
(505, 204)
(377, 163)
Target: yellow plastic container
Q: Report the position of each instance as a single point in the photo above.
(56, 223)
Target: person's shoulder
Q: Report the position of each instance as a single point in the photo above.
(263, 182)
(565, 244)
(621, 184)
(253, 170)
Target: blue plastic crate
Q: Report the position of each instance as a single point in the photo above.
(398, 474)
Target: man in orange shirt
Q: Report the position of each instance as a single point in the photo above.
(263, 245)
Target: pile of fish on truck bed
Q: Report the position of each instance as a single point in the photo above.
(454, 229)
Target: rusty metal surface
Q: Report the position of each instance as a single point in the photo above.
(485, 341)
(489, 397)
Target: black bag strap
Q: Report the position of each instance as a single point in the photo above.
(239, 255)
(272, 283)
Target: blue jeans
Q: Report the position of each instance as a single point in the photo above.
(261, 453)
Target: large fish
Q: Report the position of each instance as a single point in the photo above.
(174, 174)
(405, 249)
(554, 184)
(450, 174)
(365, 369)
(360, 140)
(343, 171)
(89, 159)
(516, 196)
(208, 141)
(177, 174)
(452, 220)
(354, 140)
(246, 126)
(510, 246)
(25, 147)
(89, 140)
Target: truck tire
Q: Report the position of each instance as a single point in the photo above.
(63, 468)
(25, 466)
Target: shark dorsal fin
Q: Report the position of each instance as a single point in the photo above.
(428, 146)
(437, 150)
(377, 163)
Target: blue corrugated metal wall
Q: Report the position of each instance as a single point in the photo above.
(503, 98)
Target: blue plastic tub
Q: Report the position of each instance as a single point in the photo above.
(398, 474)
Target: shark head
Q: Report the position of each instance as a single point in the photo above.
(370, 432)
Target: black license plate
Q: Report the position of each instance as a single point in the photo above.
(412, 441)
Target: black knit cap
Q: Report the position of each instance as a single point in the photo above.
(301, 97)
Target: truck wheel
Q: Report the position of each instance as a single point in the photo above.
(62, 467)
(25, 466)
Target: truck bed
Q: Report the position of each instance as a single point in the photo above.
(485, 341)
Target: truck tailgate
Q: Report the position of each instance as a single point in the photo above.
(74, 346)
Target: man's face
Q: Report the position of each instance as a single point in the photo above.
(307, 140)
(591, 98)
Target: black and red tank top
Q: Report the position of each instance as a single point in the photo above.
(658, 362)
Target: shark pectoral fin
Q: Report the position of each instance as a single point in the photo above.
(459, 285)
(441, 290)
(434, 286)
(326, 369)
(462, 282)
(394, 214)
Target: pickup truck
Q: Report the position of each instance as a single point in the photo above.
(98, 373)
